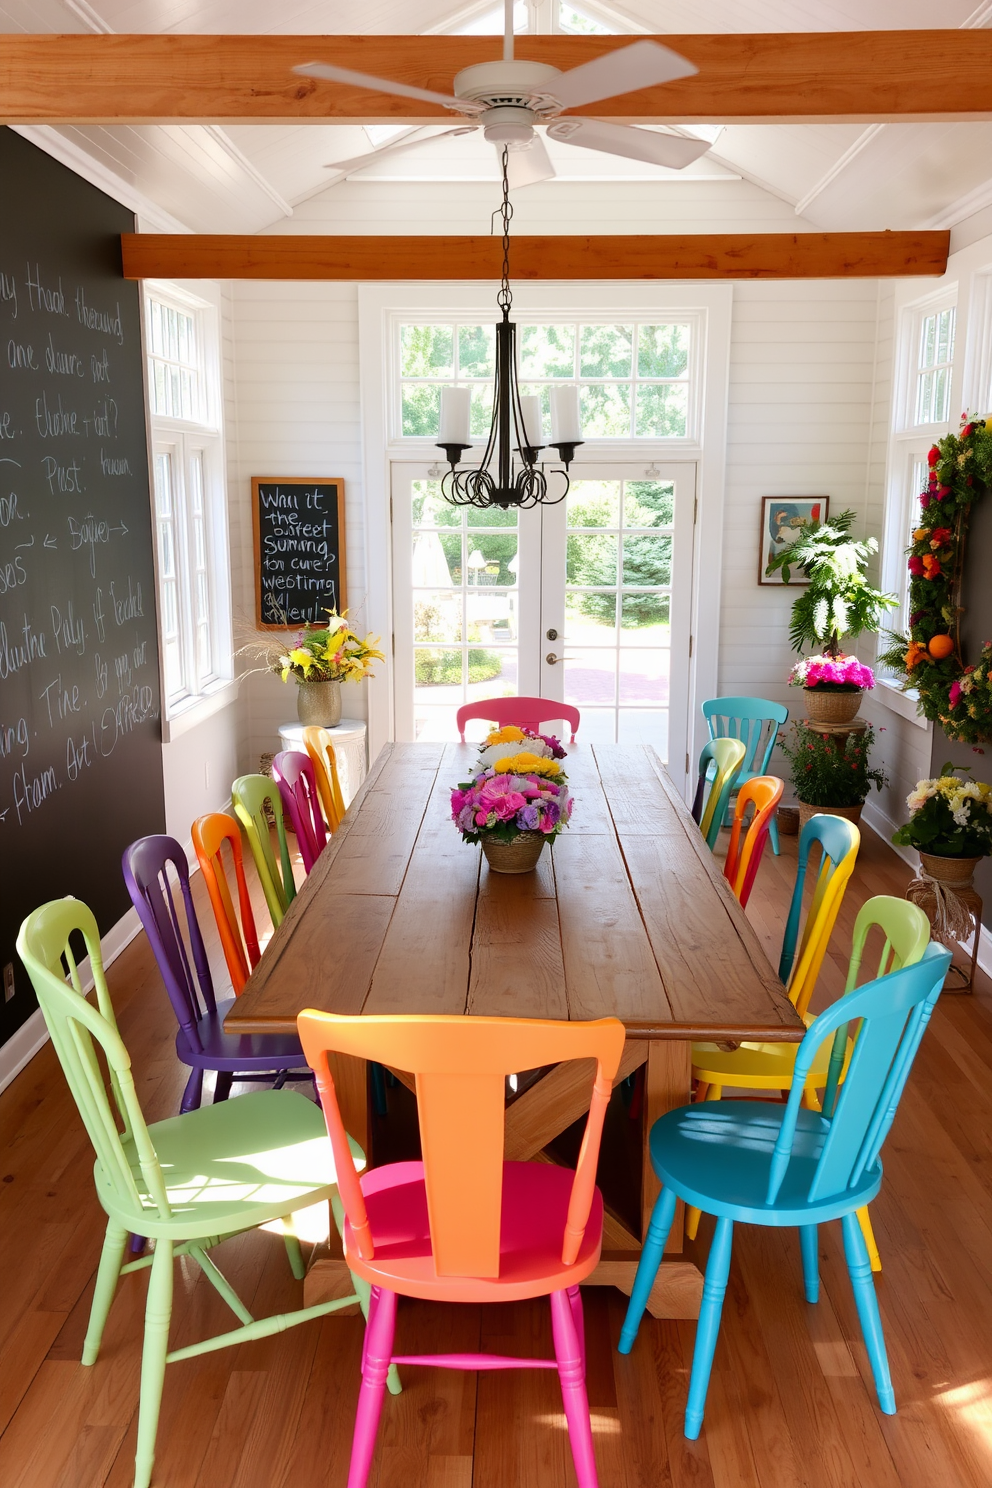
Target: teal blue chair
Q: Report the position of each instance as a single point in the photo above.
(788, 1166)
(756, 722)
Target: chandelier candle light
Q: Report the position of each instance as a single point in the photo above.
(516, 423)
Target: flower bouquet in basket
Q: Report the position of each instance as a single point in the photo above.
(832, 686)
(516, 801)
(950, 819)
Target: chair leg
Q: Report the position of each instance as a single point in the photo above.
(811, 1262)
(106, 1285)
(708, 1328)
(378, 1089)
(572, 1375)
(222, 1086)
(859, 1270)
(647, 1267)
(378, 1350)
(193, 1092)
(295, 1256)
(773, 835)
(864, 1220)
(158, 1315)
(692, 1215)
(579, 1322)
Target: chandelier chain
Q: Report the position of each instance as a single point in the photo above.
(505, 297)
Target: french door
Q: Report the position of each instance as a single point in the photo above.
(587, 602)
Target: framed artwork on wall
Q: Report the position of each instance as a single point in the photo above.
(781, 518)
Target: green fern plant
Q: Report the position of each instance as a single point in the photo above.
(839, 601)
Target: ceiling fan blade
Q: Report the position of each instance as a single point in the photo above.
(527, 167)
(357, 162)
(670, 150)
(327, 72)
(643, 65)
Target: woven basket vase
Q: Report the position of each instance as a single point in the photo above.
(955, 872)
(518, 856)
(831, 707)
(850, 813)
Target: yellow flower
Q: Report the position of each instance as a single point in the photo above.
(526, 763)
(509, 734)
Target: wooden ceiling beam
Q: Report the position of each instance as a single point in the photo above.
(837, 255)
(855, 76)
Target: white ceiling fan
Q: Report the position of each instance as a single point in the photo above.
(507, 99)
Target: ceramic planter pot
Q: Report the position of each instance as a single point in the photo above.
(823, 706)
(319, 703)
(518, 856)
(850, 813)
(955, 872)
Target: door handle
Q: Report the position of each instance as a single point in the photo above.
(553, 660)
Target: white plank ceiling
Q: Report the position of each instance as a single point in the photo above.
(251, 178)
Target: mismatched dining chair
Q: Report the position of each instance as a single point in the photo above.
(709, 807)
(236, 927)
(255, 797)
(463, 1225)
(320, 747)
(784, 1166)
(294, 774)
(756, 722)
(174, 1180)
(525, 712)
(747, 844)
(154, 869)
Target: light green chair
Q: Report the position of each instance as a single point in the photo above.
(725, 757)
(251, 795)
(188, 1182)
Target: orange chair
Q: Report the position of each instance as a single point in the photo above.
(239, 940)
(744, 854)
(463, 1225)
(320, 748)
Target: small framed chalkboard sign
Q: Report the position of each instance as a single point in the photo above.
(299, 550)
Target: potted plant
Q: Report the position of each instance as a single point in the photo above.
(832, 686)
(950, 825)
(837, 602)
(831, 772)
(325, 656)
(517, 799)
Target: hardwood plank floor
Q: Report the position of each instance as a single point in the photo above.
(790, 1401)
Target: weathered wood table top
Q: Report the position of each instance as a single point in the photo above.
(627, 915)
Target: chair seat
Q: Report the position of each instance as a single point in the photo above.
(233, 1052)
(761, 1066)
(716, 1155)
(535, 1204)
(231, 1166)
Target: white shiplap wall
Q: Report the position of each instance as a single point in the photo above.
(297, 408)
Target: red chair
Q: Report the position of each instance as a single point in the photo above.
(744, 855)
(294, 774)
(525, 712)
(463, 1225)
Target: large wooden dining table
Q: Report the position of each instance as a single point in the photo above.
(627, 915)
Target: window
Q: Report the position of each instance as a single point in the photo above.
(190, 515)
(635, 379)
(570, 18)
(933, 375)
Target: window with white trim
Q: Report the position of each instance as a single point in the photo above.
(189, 497)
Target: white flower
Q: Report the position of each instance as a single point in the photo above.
(495, 752)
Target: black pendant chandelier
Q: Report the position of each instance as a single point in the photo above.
(516, 482)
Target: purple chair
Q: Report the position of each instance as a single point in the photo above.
(297, 781)
(201, 1041)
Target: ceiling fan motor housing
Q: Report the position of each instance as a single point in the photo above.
(510, 85)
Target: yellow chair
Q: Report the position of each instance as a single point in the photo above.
(320, 748)
(770, 1066)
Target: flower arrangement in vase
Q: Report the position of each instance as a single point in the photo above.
(837, 602)
(325, 656)
(517, 799)
(950, 825)
(831, 773)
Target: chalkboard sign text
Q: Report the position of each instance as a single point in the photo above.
(299, 550)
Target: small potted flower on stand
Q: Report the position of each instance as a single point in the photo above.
(325, 656)
(833, 686)
(950, 825)
(516, 801)
(831, 772)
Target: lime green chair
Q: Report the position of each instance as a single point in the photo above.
(725, 757)
(188, 1182)
(253, 796)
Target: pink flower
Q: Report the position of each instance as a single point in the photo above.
(954, 696)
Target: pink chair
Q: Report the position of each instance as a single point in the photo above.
(525, 712)
(297, 782)
(463, 1225)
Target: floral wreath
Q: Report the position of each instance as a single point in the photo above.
(929, 658)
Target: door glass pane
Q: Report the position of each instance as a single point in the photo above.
(465, 608)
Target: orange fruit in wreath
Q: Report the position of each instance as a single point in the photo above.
(940, 647)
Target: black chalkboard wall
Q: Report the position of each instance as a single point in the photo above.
(299, 550)
(80, 740)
